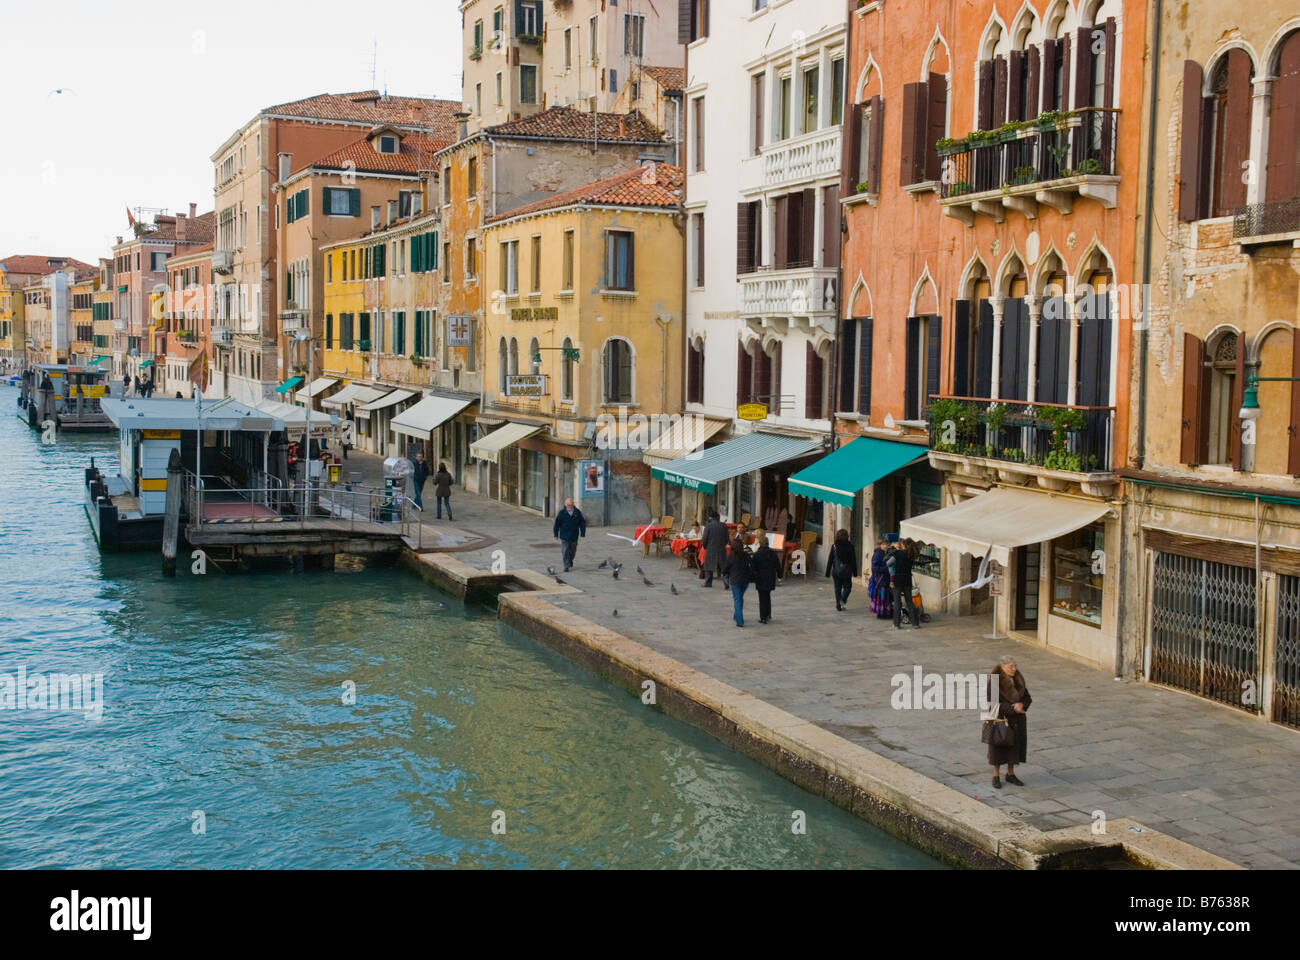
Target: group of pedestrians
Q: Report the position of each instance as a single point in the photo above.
(442, 482)
(137, 387)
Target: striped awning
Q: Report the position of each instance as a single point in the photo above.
(705, 469)
(489, 448)
(684, 436)
(837, 477)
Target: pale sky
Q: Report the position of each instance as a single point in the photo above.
(157, 86)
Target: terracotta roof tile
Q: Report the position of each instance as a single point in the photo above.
(566, 123)
(200, 229)
(39, 264)
(654, 185)
(670, 78)
(417, 153)
(371, 107)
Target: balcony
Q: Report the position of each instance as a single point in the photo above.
(223, 261)
(793, 292)
(1052, 444)
(1049, 161)
(222, 334)
(811, 156)
(293, 321)
(1261, 224)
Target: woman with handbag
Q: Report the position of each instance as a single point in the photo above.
(878, 586)
(1013, 700)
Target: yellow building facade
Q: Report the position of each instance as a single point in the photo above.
(584, 343)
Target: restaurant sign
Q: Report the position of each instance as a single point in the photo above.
(525, 314)
(752, 411)
(682, 480)
(526, 385)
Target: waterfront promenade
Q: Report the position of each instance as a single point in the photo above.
(1199, 772)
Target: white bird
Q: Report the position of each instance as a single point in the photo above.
(60, 90)
(983, 578)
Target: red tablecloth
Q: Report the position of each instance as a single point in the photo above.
(654, 529)
(681, 543)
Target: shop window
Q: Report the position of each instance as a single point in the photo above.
(1078, 574)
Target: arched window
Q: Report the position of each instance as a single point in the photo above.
(1282, 170)
(1223, 401)
(566, 371)
(534, 356)
(514, 357)
(503, 366)
(1216, 137)
(619, 369)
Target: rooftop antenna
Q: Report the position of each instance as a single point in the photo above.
(374, 59)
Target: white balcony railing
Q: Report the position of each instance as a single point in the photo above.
(221, 333)
(808, 157)
(800, 292)
(223, 261)
(293, 321)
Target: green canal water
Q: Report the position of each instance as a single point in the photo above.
(225, 740)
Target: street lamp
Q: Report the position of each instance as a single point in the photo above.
(1250, 397)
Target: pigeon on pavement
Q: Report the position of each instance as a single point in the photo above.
(646, 580)
(603, 565)
(673, 588)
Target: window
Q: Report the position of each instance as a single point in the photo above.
(527, 83)
(837, 91)
(510, 268)
(363, 332)
(692, 20)
(814, 402)
(446, 262)
(399, 333)
(503, 366)
(925, 121)
(613, 81)
(695, 372)
(157, 261)
(594, 53)
(374, 217)
(499, 100)
(478, 36)
(784, 106)
(619, 273)
(855, 365)
(403, 203)
(924, 338)
(633, 35)
(329, 331)
(534, 356)
(498, 23)
(811, 81)
(478, 99)
(568, 48)
(1282, 170)
(388, 145)
(697, 142)
(446, 184)
(535, 265)
(566, 370)
(1078, 574)
(749, 236)
(471, 259)
(512, 365)
(618, 368)
(566, 282)
(870, 138)
(697, 237)
(529, 18)
(345, 331)
(342, 202)
(471, 178)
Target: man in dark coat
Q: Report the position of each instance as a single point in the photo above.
(442, 490)
(419, 477)
(570, 524)
(713, 541)
(1013, 700)
(764, 567)
(842, 567)
(901, 581)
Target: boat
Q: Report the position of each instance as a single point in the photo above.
(69, 395)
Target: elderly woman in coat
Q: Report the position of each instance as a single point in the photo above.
(1013, 701)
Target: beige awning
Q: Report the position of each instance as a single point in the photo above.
(489, 448)
(352, 393)
(387, 400)
(421, 419)
(1001, 520)
(684, 437)
(317, 386)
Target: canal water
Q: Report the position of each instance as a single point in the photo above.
(226, 740)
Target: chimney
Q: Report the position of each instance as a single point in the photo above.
(194, 209)
(622, 127)
(181, 220)
(462, 124)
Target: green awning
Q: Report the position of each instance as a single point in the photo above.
(837, 478)
(147, 363)
(703, 470)
(97, 360)
(288, 385)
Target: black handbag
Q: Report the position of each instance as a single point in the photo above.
(996, 731)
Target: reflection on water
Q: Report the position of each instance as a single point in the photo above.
(225, 709)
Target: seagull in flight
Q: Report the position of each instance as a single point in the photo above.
(982, 578)
(58, 91)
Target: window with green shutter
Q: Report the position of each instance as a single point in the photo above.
(377, 260)
(342, 201)
(399, 333)
(329, 331)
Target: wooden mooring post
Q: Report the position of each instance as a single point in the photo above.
(172, 514)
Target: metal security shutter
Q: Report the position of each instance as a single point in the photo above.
(1203, 629)
(1286, 656)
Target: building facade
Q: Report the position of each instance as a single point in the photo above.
(17, 274)
(188, 324)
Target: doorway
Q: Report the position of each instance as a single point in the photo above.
(1028, 573)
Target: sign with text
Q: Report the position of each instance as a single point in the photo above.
(752, 411)
(526, 314)
(460, 331)
(526, 385)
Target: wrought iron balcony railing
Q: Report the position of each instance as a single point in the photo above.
(1047, 435)
(1266, 219)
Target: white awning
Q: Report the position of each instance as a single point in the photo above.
(423, 418)
(1001, 520)
(317, 387)
(387, 400)
(352, 393)
(685, 436)
(294, 417)
(489, 448)
(173, 414)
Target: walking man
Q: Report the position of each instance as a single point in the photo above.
(765, 568)
(442, 490)
(570, 524)
(419, 477)
(713, 541)
(901, 581)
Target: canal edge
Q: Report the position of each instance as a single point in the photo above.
(925, 813)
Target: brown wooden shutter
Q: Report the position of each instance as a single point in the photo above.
(812, 400)
(744, 238)
(912, 150)
(831, 238)
(985, 113)
(1293, 440)
(1108, 100)
(774, 376)
(1032, 83)
(1051, 53)
(1236, 135)
(1238, 391)
(850, 162)
(1063, 56)
(1189, 167)
(937, 125)
(781, 251)
(999, 92)
(875, 138)
(1282, 174)
(1015, 85)
(1193, 428)
(761, 389)
(685, 21)
(1083, 70)
(808, 226)
(744, 374)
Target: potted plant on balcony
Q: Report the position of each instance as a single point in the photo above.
(1063, 422)
(1023, 175)
(954, 425)
(958, 188)
(416, 359)
(948, 147)
(476, 52)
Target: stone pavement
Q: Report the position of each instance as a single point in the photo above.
(1197, 771)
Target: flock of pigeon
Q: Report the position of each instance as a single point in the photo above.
(616, 568)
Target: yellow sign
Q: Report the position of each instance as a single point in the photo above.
(162, 434)
(87, 390)
(752, 411)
